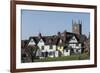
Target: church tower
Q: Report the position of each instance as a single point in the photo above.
(77, 27)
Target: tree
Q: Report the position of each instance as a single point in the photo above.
(31, 51)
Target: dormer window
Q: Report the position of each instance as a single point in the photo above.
(60, 41)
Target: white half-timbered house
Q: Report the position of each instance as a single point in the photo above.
(59, 45)
(75, 45)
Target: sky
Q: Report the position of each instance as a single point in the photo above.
(34, 22)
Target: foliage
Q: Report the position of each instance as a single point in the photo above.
(31, 53)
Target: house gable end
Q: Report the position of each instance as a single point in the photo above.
(32, 42)
(41, 42)
(60, 41)
(73, 40)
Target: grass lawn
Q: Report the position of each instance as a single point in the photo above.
(64, 58)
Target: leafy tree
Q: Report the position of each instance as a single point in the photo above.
(31, 51)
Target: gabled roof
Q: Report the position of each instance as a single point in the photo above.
(36, 39)
(81, 38)
(54, 40)
(50, 40)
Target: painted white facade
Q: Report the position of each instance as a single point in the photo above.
(46, 48)
(51, 50)
(31, 42)
(66, 53)
(41, 43)
(75, 45)
(73, 40)
(56, 54)
(60, 41)
(38, 53)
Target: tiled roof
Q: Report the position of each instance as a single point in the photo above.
(55, 39)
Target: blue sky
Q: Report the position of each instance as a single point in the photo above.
(50, 22)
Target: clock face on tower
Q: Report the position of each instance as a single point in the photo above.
(76, 28)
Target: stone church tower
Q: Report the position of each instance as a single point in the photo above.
(77, 27)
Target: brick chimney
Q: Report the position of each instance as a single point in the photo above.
(59, 34)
